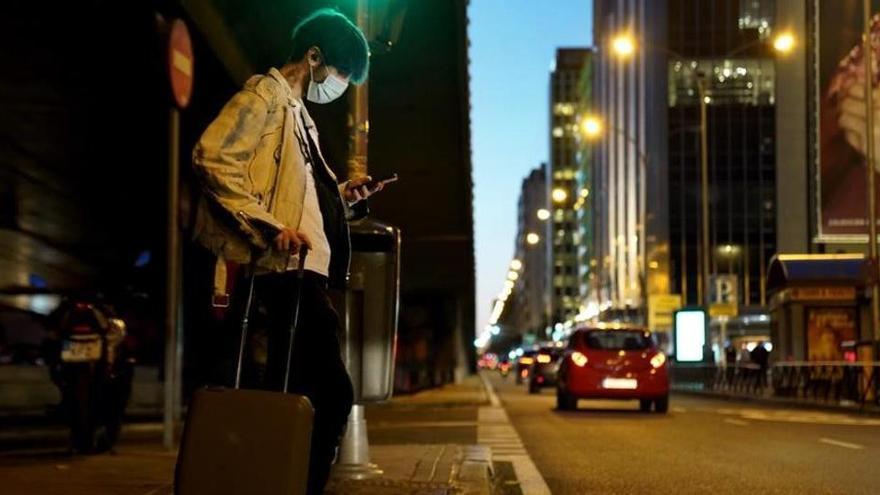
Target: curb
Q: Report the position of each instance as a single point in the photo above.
(474, 475)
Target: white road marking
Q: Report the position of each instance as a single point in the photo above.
(838, 443)
(495, 431)
(679, 410)
(421, 424)
(737, 422)
(799, 416)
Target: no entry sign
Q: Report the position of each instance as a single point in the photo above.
(180, 63)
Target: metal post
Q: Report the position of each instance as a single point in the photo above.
(869, 168)
(704, 194)
(359, 129)
(171, 405)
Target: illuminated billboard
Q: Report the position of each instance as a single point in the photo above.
(690, 335)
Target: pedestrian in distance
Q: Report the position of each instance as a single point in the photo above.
(761, 357)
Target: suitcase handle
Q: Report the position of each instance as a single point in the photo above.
(245, 320)
(294, 319)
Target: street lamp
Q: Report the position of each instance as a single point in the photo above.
(591, 126)
(533, 238)
(624, 45)
(784, 42)
(559, 195)
(516, 265)
(543, 214)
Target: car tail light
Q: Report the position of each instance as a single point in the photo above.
(540, 379)
(658, 360)
(579, 359)
(524, 373)
(544, 358)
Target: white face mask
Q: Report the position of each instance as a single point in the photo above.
(324, 92)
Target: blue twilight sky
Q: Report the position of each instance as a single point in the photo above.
(513, 43)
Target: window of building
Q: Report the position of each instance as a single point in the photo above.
(757, 14)
(749, 81)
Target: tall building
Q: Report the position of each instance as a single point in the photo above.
(529, 308)
(561, 229)
(649, 223)
(630, 166)
(583, 206)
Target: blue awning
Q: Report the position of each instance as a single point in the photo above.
(799, 270)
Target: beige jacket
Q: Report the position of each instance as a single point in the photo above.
(252, 173)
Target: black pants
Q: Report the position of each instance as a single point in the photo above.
(316, 371)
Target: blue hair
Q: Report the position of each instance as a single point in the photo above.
(342, 44)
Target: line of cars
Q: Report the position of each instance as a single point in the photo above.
(598, 361)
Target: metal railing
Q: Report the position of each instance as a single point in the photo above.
(827, 382)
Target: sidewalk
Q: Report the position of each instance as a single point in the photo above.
(768, 399)
(425, 443)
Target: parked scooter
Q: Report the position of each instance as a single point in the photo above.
(90, 366)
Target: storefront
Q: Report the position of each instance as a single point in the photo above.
(819, 311)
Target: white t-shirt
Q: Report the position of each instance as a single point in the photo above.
(312, 223)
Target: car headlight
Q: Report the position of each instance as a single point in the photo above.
(544, 358)
(579, 359)
(658, 360)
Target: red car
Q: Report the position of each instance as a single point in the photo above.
(613, 361)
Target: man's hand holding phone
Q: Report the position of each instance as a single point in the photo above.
(363, 187)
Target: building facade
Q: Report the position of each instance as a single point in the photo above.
(630, 168)
(649, 224)
(563, 286)
(584, 203)
(531, 301)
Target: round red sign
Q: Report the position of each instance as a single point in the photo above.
(180, 63)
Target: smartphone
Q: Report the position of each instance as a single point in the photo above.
(373, 184)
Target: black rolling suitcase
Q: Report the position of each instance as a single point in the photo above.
(252, 442)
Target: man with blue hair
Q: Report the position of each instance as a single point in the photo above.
(268, 191)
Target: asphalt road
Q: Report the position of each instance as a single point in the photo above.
(701, 446)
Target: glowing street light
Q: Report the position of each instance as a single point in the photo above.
(533, 238)
(784, 42)
(623, 45)
(511, 275)
(516, 265)
(559, 195)
(591, 126)
(543, 214)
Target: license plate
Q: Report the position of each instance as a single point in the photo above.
(620, 383)
(77, 351)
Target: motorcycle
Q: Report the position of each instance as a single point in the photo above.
(89, 364)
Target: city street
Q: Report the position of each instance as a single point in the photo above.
(700, 446)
